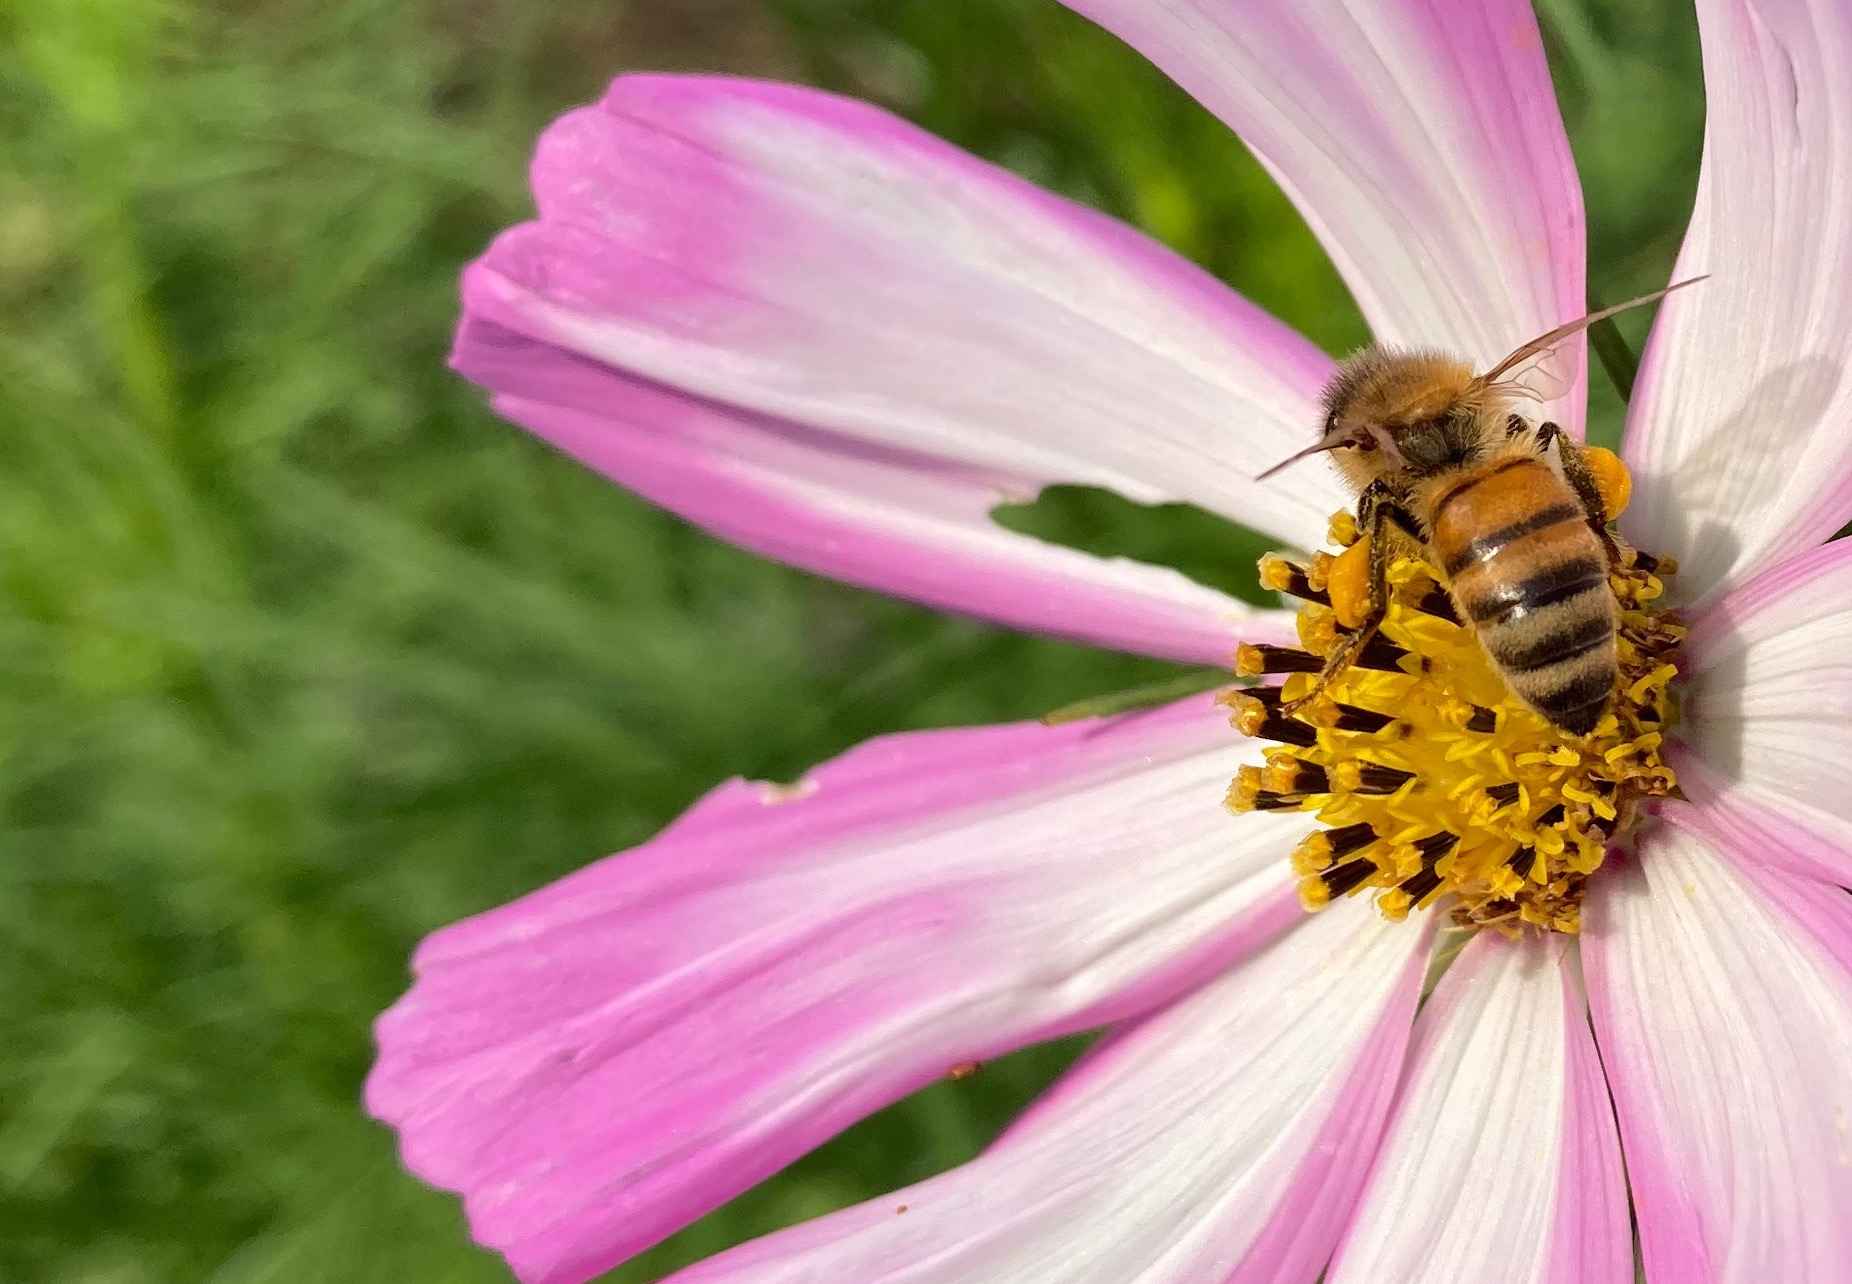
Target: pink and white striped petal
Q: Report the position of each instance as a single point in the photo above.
(1766, 719)
(1501, 1160)
(1722, 996)
(1738, 433)
(1220, 1140)
(1420, 139)
(601, 1062)
(870, 306)
(917, 528)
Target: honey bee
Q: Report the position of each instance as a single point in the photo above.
(1507, 510)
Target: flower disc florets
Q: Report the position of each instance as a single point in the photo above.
(1433, 780)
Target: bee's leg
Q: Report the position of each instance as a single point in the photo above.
(1575, 471)
(1376, 507)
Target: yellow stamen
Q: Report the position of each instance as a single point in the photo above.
(1245, 789)
(1434, 779)
(1313, 894)
(1247, 661)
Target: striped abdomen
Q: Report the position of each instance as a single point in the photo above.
(1525, 568)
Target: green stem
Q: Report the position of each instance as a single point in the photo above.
(1615, 356)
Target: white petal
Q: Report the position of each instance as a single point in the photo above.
(1722, 998)
(1421, 141)
(1739, 434)
(1501, 1161)
(1767, 716)
(1220, 1140)
(604, 1060)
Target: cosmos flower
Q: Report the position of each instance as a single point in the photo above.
(830, 338)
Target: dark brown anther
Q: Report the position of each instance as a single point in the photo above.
(1375, 778)
(1352, 717)
(1420, 886)
(1434, 846)
(1435, 602)
(1554, 816)
(1504, 795)
(1287, 731)
(1252, 659)
(1484, 721)
(1347, 878)
(1380, 654)
(1347, 839)
(1282, 576)
(1296, 775)
(1521, 860)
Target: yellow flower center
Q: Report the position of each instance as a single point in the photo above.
(1431, 778)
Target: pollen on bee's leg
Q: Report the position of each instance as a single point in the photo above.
(1349, 585)
(1432, 782)
(1611, 477)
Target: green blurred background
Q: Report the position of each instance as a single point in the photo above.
(306, 654)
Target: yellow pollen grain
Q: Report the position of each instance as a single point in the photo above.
(1473, 800)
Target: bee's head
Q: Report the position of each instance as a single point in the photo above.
(1390, 411)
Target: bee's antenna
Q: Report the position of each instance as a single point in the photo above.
(1544, 342)
(1330, 441)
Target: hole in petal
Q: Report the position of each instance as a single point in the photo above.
(1210, 550)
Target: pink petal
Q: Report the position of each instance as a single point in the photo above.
(1221, 1140)
(1767, 716)
(922, 533)
(1501, 1160)
(1722, 996)
(601, 1062)
(866, 339)
(1738, 434)
(1420, 139)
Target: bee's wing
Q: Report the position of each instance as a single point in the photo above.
(1543, 376)
(1530, 364)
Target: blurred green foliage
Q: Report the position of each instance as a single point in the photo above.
(307, 654)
